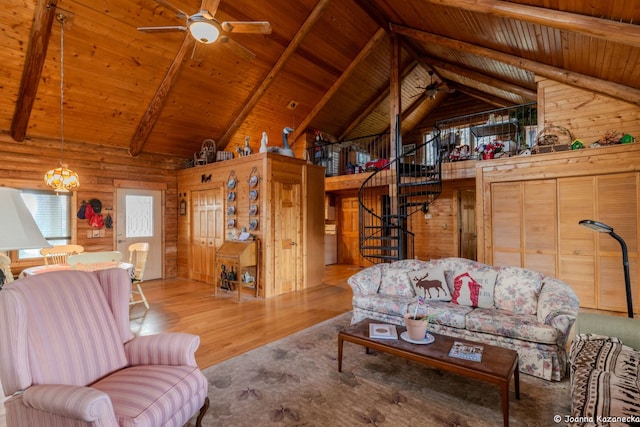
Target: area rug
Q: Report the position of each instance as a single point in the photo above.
(295, 382)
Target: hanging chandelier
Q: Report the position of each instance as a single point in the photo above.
(62, 179)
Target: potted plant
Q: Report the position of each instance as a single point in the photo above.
(417, 323)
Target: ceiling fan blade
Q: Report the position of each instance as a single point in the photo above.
(237, 48)
(210, 6)
(178, 12)
(199, 52)
(251, 27)
(162, 29)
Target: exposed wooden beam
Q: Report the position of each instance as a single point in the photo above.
(362, 55)
(374, 13)
(373, 103)
(528, 94)
(44, 15)
(150, 117)
(582, 81)
(481, 96)
(255, 96)
(590, 26)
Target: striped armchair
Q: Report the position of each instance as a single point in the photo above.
(68, 357)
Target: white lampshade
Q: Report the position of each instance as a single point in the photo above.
(18, 229)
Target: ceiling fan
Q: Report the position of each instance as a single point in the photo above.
(206, 29)
(433, 88)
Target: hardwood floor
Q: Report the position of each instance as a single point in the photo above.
(227, 327)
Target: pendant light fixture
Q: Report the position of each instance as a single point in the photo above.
(62, 179)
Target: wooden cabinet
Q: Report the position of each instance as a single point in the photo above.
(530, 209)
(237, 268)
(278, 199)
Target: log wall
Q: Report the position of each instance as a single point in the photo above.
(101, 170)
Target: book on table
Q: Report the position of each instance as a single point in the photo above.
(383, 331)
(466, 351)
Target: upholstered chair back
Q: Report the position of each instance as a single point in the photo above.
(77, 348)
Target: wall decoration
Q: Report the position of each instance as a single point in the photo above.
(253, 195)
(253, 210)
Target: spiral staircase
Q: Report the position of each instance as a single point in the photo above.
(407, 185)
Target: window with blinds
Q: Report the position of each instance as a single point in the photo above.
(52, 213)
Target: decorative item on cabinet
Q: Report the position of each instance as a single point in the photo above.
(207, 153)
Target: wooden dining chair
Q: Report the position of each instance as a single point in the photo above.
(58, 254)
(138, 253)
(5, 267)
(92, 261)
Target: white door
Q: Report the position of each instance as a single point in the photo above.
(139, 219)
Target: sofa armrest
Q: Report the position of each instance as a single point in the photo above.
(73, 402)
(625, 329)
(367, 281)
(176, 349)
(558, 307)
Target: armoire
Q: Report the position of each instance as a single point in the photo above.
(276, 199)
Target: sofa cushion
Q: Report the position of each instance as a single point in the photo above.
(395, 281)
(430, 284)
(472, 288)
(444, 313)
(389, 304)
(520, 326)
(604, 378)
(517, 290)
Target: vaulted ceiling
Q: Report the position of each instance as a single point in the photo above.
(325, 65)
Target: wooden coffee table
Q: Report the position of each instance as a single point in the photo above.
(498, 364)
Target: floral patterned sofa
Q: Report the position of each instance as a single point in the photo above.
(510, 307)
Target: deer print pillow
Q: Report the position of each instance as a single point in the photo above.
(430, 284)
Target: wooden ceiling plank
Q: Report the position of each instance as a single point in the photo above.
(373, 103)
(362, 55)
(290, 50)
(482, 96)
(151, 115)
(528, 94)
(625, 93)
(596, 27)
(44, 15)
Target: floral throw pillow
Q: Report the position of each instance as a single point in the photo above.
(517, 290)
(472, 288)
(394, 281)
(430, 284)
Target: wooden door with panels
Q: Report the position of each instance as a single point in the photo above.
(287, 236)
(207, 232)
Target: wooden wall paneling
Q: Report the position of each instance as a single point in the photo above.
(586, 114)
(101, 169)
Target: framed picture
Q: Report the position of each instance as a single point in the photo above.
(407, 148)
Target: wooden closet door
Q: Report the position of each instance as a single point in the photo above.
(207, 233)
(523, 225)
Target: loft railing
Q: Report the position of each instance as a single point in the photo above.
(352, 156)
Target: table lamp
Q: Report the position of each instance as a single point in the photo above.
(18, 229)
(604, 228)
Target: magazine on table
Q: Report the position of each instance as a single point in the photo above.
(383, 331)
(466, 351)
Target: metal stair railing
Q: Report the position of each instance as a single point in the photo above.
(407, 184)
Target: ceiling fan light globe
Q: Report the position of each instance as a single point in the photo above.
(203, 30)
